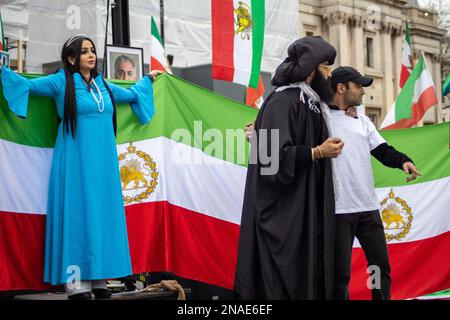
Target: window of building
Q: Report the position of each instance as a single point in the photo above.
(309, 33)
(369, 53)
(373, 117)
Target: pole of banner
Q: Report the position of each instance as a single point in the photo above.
(108, 6)
(120, 16)
(161, 17)
(20, 53)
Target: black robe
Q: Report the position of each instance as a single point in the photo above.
(286, 246)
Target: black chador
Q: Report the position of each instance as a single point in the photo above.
(287, 230)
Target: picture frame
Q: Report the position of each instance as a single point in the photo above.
(124, 63)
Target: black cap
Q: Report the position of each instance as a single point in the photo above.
(346, 74)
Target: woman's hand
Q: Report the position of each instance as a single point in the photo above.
(155, 73)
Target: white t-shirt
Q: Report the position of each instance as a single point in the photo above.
(354, 188)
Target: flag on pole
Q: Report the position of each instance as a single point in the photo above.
(158, 60)
(254, 97)
(407, 62)
(446, 86)
(237, 39)
(2, 35)
(416, 97)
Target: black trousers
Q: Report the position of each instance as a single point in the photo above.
(368, 228)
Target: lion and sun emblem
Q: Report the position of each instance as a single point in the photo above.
(243, 20)
(138, 174)
(396, 216)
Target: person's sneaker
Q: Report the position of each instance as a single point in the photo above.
(81, 296)
(101, 294)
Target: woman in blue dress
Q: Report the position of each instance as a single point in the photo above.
(86, 235)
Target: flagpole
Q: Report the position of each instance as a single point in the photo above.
(161, 19)
(20, 53)
(108, 5)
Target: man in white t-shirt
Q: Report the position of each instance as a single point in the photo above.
(357, 206)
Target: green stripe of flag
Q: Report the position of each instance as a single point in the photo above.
(178, 105)
(428, 147)
(258, 12)
(407, 34)
(155, 32)
(40, 127)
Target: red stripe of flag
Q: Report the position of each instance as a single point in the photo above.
(165, 237)
(22, 249)
(162, 237)
(252, 95)
(404, 75)
(155, 65)
(417, 268)
(222, 39)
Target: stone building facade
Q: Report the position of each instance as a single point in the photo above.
(369, 36)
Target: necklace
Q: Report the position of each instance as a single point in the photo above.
(100, 100)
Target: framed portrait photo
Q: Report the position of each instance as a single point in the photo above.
(124, 63)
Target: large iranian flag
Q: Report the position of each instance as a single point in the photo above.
(416, 97)
(183, 178)
(407, 64)
(237, 39)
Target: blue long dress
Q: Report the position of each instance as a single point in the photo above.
(85, 224)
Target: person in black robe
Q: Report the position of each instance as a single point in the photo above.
(287, 229)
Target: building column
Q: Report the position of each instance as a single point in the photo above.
(358, 37)
(436, 72)
(337, 23)
(387, 66)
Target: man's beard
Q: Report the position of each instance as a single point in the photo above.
(322, 87)
(352, 102)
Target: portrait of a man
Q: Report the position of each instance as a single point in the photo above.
(124, 63)
(124, 68)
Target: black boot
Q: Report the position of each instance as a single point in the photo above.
(81, 296)
(101, 294)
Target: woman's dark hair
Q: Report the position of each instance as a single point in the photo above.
(72, 49)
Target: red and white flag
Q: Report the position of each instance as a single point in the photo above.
(158, 60)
